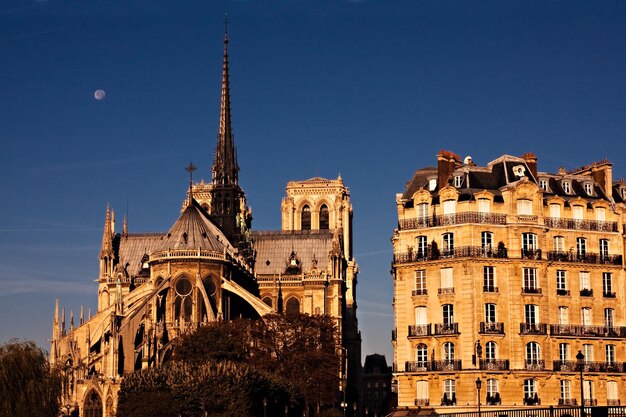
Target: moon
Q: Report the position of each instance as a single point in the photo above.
(99, 95)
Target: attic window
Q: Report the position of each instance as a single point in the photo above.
(519, 171)
(458, 180)
(567, 187)
(543, 184)
(432, 184)
(588, 188)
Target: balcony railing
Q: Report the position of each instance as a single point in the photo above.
(422, 291)
(446, 328)
(594, 225)
(586, 258)
(535, 400)
(530, 254)
(448, 290)
(586, 292)
(494, 364)
(613, 402)
(591, 401)
(422, 402)
(534, 364)
(491, 327)
(586, 330)
(572, 366)
(420, 330)
(568, 401)
(458, 252)
(608, 294)
(531, 290)
(562, 292)
(490, 288)
(433, 366)
(533, 328)
(450, 219)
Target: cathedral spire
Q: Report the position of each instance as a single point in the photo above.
(225, 169)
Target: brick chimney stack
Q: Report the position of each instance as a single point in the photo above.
(447, 162)
(531, 162)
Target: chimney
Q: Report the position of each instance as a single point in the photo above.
(447, 162)
(602, 173)
(531, 162)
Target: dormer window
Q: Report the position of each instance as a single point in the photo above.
(588, 188)
(519, 171)
(458, 180)
(543, 184)
(432, 184)
(567, 187)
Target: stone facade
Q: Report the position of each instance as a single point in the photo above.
(503, 273)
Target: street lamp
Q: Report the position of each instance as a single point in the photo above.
(344, 405)
(67, 407)
(264, 407)
(366, 411)
(354, 408)
(479, 384)
(580, 359)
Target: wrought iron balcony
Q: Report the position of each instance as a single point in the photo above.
(608, 294)
(533, 328)
(490, 288)
(562, 292)
(568, 401)
(449, 290)
(531, 290)
(586, 258)
(451, 219)
(573, 366)
(612, 402)
(535, 400)
(530, 253)
(457, 252)
(490, 327)
(422, 402)
(534, 364)
(586, 330)
(494, 364)
(446, 328)
(422, 291)
(590, 401)
(420, 330)
(433, 366)
(594, 225)
(586, 292)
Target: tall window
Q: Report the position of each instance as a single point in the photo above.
(578, 212)
(420, 282)
(543, 184)
(588, 188)
(524, 207)
(448, 244)
(600, 214)
(183, 309)
(489, 279)
(555, 210)
(529, 241)
(533, 353)
(449, 207)
(305, 219)
(609, 352)
(448, 352)
(604, 249)
(581, 246)
(609, 318)
(530, 279)
(449, 389)
(490, 313)
(447, 280)
(422, 392)
(588, 390)
(563, 315)
(484, 205)
(588, 352)
(530, 388)
(559, 244)
(561, 282)
(421, 246)
(611, 392)
(607, 284)
(566, 392)
(492, 387)
(448, 313)
(567, 187)
(490, 351)
(422, 211)
(564, 350)
(324, 217)
(585, 280)
(486, 241)
(458, 180)
(421, 355)
(421, 317)
(585, 316)
(531, 314)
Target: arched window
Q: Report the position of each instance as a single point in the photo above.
(110, 410)
(533, 354)
(182, 303)
(293, 306)
(324, 222)
(305, 219)
(93, 405)
(448, 351)
(421, 355)
(490, 351)
(268, 301)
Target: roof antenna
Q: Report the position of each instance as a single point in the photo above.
(190, 169)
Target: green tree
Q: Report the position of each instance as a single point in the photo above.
(28, 386)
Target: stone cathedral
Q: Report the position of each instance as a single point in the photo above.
(210, 265)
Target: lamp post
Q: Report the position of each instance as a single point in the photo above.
(580, 359)
(354, 408)
(264, 407)
(479, 384)
(286, 410)
(366, 411)
(67, 407)
(344, 405)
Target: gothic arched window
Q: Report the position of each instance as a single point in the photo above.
(293, 306)
(182, 303)
(93, 405)
(305, 219)
(324, 223)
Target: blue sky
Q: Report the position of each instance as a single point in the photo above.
(371, 90)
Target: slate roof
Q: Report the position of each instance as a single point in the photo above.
(277, 246)
(419, 180)
(134, 246)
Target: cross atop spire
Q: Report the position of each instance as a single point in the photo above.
(225, 169)
(190, 169)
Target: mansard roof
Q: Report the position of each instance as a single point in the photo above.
(195, 229)
(277, 247)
